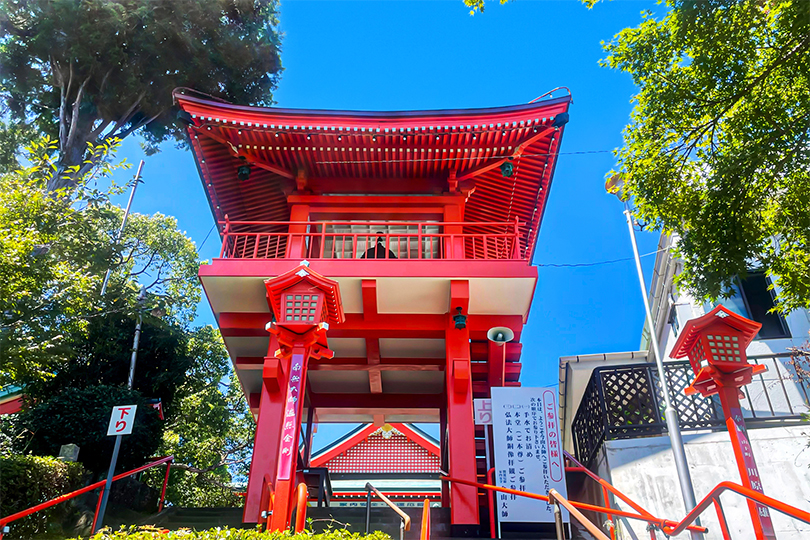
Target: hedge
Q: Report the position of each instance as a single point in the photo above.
(151, 533)
(26, 481)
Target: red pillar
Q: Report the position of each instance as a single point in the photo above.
(268, 433)
(443, 453)
(749, 474)
(454, 245)
(461, 441)
(496, 357)
(297, 243)
(290, 435)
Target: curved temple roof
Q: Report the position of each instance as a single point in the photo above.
(383, 153)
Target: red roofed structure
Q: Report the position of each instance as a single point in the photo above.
(424, 221)
(397, 458)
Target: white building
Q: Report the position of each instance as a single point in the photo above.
(612, 416)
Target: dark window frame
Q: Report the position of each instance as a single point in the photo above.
(785, 330)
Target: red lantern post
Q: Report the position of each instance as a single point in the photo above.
(715, 344)
(304, 303)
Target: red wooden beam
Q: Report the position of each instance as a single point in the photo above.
(377, 368)
(374, 374)
(369, 292)
(472, 173)
(376, 401)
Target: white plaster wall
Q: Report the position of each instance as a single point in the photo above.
(645, 471)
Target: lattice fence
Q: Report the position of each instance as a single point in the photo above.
(623, 402)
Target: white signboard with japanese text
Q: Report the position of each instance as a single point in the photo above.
(122, 420)
(528, 452)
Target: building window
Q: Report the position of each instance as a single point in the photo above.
(754, 301)
(673, 321)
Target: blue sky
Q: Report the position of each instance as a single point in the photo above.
(391, 55)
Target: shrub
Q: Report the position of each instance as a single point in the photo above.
(150, 533)
(80, 416)
(26, 481)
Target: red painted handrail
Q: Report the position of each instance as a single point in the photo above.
(581, 506)
(301, 496)
(309, 239)
(425, 520)
(67, 496)
(677, 528)
(555, 498)
(607, 486)
(492, 504)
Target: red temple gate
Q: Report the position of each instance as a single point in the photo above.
(412, 235)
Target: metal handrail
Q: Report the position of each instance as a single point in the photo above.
(425, 520)
(791, 511)
(607, 486)
(405, 524)
(579, 505)
(301, 497)
(100, 484)
(556, 499)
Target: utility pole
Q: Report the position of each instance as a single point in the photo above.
(105, 494)
(614, 186)
(123, 223)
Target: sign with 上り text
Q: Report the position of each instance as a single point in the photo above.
(122, 419)
(528, 452)
(482, 410)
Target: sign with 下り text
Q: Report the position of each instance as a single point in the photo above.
(122, 420)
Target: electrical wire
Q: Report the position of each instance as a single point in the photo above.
(599, 263)
(206, 237)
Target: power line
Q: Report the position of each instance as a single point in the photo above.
(598, 263)
(206, 237)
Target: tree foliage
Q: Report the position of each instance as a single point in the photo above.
(54, 250)
(210, 431)
(31, 480)
(71, 349)
(80, 416)
(91, 71)
(153, 533)
(717, 150)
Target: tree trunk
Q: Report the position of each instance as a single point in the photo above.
(72, 153)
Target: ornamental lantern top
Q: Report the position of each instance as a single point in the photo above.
(715, 344)
(302, 297)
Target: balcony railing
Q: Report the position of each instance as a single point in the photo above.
(626, 402)
(383, 240)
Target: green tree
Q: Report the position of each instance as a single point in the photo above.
(210, 433)
(80, 416)
(100, 355)
(91, 71)
(717, 148)
(54, 250)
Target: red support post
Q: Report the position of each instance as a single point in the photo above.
(747, 466)
(268, 432)
(493, 503)
(98, 507)
(288, 444)
(453, 229)
(165, 484)
(461, 440)
(297, 243)
(496, 358)
(721, 517)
